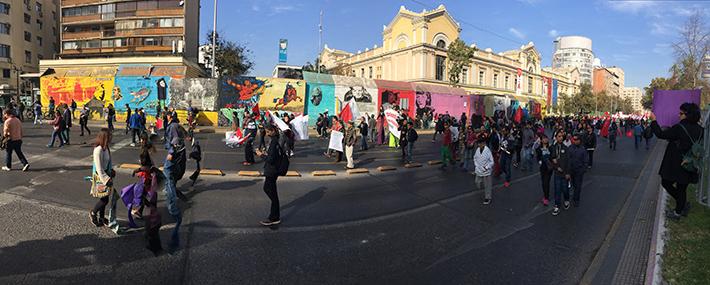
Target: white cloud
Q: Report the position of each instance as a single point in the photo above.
(255, 8)
(662, 49)
(663, 29)
(553, 33)
(516, 33)
(282, 8)
(630, 6)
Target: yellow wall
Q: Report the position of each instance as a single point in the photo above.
(442, 25)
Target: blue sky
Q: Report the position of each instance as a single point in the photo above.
(635, 35)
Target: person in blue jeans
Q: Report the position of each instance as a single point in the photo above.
(638, 134)
(578, 159)
(561, 176)
(173, 169)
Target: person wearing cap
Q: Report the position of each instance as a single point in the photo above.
(578, 159)
(483, 164)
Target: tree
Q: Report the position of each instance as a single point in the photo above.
(231, 58)
(658, 83)
(460, 55)
(690, 49)
(314, 67)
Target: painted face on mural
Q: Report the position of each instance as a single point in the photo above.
(359, 93)
(316, 96)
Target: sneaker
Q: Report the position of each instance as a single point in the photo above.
(103, 221)
(506, 184)
(486, 201)
(545, 202)
(94, 219)
(566, 205)
(26, 167)
(672, 215)
(5, 168)
(270, 223)
(132, 144)
(555, 211)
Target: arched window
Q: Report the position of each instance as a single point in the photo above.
(441, 44)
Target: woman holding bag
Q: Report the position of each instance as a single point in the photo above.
(102, 183)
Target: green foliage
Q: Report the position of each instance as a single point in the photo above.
(313, 67)
(459, 55)
(658, 83)
(232, 59)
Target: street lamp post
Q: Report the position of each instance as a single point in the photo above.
(214, 41)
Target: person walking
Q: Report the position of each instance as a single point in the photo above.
(560, 164)
(50, 108)
(135, 123)
(271, 174)
(21, 111)
(638, 134)
(590, 143)
(527, 141)
(195, 154)
(578, 159)
(67, 116)
(84, 121)
(111, 116)
(249, 145)
(73, 108)
(507, 144)
(128, 122)
(445, 148)
(412, 137)
(102, 178)
(613, 129)
(12, 129)
(38, 112)
(542, 153)
(483, 164)
(58, 132)
(647, 134)
(173, 169)
(470, 145)
(350, 138)
(403, 142)
(681, 137)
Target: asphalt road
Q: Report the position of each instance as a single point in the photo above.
(409, 226)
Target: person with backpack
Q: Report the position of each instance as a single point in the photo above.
(273, 168)
(647, 134)
(135, 123)
(412, 137)
(59, 125)
(683, 157)
(638, 134)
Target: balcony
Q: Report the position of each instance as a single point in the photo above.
(68, 3)
(150, 32)
(116, 50)
(81, 35)
(81, 19)
(160, 12)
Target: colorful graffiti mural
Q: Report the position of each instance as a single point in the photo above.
(320, 91)
(396, 95)
(141, 92)
(200, 93)
(80, 89)
(271, 94)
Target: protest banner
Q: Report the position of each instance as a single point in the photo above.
(336, 141)
(300, 127)
(391, 116)
(666, 104)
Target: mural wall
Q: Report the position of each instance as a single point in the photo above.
(271, 94)
(454, 105)
(140, 92)
(201, 93)
(321, 98)
(364, 91)
(83, 90)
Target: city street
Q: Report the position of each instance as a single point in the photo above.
(407, 226)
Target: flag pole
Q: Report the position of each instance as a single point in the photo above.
(320, 39)
(214, 40)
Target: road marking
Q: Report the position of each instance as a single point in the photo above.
(323, 173)
(249, 173)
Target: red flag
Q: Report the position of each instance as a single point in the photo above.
(255, 110)
(346, 114)
(605, 128)
(518, 115)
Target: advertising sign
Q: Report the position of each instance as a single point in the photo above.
(283, 45)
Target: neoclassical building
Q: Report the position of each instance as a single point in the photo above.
(414, 47)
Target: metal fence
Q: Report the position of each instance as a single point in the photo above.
(704, 186)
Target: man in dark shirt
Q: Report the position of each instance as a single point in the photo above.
(363, 131)
(578, 158)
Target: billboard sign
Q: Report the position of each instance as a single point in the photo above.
(283, 45)
(706, 67)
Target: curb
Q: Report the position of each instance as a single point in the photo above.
(655, 255)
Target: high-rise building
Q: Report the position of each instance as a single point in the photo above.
(635, 95)
(574, 51)
(606, 81)
(103, 28)
(28, 33)
(620, 73)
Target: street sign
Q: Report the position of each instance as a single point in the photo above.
(706, 67)
(283, 45)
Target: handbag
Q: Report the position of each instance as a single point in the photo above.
(98, 188)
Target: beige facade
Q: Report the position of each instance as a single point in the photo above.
(619, 73)
(635, 95)
(414, 49)
(101, 28)
(28, 34)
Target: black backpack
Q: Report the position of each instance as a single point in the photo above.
(282, 162)
(414, 137)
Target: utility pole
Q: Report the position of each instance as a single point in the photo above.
(214, 41)
(320, 39)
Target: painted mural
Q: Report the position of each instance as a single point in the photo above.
(271, 94)
(437, 103)
(200, 93)
(80, 89)
(321, 98)
(396, 95)
(141, 92)
(364, 91)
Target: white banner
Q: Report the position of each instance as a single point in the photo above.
(300, 127)
(454, 133)
(336, 141)
(280, 123)
(391, 117)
